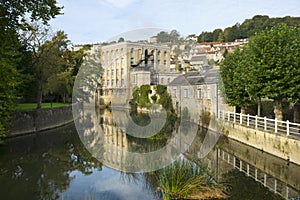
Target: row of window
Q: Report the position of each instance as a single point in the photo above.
(114, 93)
(116, 52)
(186, 93)
(112, 82)
(112, 72)
(162, 80)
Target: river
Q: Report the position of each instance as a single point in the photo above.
(56, 164)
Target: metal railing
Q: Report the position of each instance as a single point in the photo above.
(262, 123)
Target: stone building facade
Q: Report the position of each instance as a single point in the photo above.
(130, 64)
(197, 91)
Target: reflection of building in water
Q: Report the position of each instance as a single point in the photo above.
(115, 143)
(272, 172)
(129, 64)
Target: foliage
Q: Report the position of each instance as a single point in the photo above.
(143, 100)
(186, 180)
(268, 67)
(13, 56)
(154, 98)
(161, 89)
(234, 77)
(247, 29)
(165, 37)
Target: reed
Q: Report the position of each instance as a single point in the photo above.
(185, 180)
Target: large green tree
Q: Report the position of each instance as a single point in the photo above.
(234, 77)
(14, 16)
(276, 64)
(268, 67)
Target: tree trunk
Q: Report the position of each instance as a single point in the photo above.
(278, 109)
(39, 95)
(297, 113)
(243, 109)
(259, 107)
(39, 81)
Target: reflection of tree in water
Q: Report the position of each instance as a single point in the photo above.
(40, 167)
(155, 142)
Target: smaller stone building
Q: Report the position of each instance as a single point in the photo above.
(198, 92)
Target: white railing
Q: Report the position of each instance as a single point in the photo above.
(262, 123)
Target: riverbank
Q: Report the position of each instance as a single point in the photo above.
(278, 145)
(32, 121)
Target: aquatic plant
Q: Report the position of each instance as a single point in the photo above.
(186, 180)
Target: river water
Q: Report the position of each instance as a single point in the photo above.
(56, 165)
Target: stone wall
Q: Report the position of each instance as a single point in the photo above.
(287, 148)
(31, 121)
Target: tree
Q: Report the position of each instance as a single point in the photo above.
(121, 39)
(13, 15)
(276, 58)
(234, 75)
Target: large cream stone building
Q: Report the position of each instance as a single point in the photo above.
(130, 64)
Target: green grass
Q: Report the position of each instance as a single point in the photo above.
(32, 106)
(184, 179)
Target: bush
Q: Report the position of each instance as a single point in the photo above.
(154, 98)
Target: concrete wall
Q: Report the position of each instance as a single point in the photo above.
(31, 121)
(275, 144)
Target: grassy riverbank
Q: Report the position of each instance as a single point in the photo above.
(32, 106)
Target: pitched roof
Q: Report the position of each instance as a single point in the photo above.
(196, 78)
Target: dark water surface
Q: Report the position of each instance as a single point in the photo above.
(55, 165)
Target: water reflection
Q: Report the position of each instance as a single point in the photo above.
(109, 138)
(56, 165)
(249, 173)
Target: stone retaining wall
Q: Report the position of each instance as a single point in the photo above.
(287, 148)
(31, 121)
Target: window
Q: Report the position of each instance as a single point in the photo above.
(117, 72)
(165, 53)
(158, 62)
(134, 78)
(112, 82)
(107, 72)
(131, 50)
(107, 82)
(162, 80)
(186, 93)
(199, 93)
(168, 80)
(131, 61)
(117, 82)
(112, 72)
(122, 71)
(175, 92)
(122, 82)
(158, 53)
(208, 93)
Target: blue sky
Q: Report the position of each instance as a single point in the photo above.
(92, 21)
